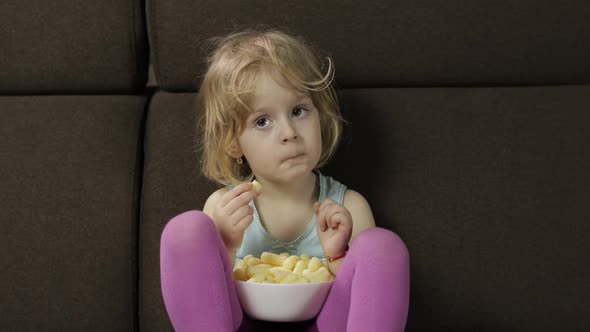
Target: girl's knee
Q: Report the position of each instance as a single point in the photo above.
(188, 227)
(377, 239)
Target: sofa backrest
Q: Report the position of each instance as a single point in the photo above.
(72, 106)
(467, 135)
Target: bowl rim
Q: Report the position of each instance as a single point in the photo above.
(286, 285)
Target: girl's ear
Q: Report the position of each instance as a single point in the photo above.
(234, 150)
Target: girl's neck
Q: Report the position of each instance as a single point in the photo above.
(297, 191)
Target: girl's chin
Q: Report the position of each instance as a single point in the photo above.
(289, 175)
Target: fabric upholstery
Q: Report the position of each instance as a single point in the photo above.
(69, 169)
(72, 47)
(390, 43)
(72, 112)
(489, 189)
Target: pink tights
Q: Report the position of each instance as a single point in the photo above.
(370, 293)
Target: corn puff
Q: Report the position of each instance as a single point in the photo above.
(282, 269)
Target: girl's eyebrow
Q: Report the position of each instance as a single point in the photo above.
(300, 98)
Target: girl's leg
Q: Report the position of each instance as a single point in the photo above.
(197, 276)
(372, 288)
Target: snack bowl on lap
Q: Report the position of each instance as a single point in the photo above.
(282, 288)
(282, 302)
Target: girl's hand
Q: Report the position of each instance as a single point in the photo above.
(233, 214)
(334, 226)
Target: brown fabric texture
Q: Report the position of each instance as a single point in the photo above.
(69, 169)
(391, 43)
(72, 47)
(489, 188)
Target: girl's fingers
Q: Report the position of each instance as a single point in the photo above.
(235, 192)
(324, 225)
(244, 223)
(240, 213)
(333, 221)
(241, 200)
(322, 219)
(331, 210)
(316, 207)
(321, 222)
(330, 215)
(324, 214)
(337, 219)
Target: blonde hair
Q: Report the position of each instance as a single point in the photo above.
(227, 87)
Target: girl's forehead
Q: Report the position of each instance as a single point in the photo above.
(272, 80)
(267, 85)
(268, 91)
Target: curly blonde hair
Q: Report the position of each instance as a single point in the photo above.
(227, 88)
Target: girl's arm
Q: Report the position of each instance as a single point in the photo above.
(362, 216)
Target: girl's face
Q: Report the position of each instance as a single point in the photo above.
(282, 140)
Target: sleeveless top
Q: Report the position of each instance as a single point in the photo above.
(257, 240)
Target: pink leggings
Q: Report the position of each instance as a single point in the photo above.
(370, 293)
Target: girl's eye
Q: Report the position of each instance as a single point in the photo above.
(261, 122)
(299, 111)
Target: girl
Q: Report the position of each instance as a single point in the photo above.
(271, 114)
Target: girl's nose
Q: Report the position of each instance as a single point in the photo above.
(288, 132)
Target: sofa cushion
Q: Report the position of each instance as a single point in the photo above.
(71, 46)
(70, 180)
(489, 189)
(391, 43)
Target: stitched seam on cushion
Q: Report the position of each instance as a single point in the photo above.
(152, 34)
(133, 43)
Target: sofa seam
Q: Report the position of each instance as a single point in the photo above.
(138, 211)
(153, 40)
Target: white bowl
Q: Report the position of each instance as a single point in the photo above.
(282, 302)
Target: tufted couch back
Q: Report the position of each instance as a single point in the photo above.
(468, 136)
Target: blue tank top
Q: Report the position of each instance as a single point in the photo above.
(257, 240)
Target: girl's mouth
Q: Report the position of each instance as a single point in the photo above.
(296, 157)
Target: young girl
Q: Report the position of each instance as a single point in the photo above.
(271, 114)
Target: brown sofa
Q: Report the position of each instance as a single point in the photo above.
(468, 135)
